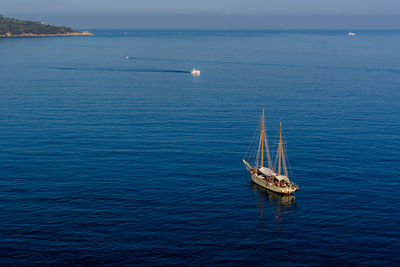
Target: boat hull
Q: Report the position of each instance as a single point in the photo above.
(261, 181)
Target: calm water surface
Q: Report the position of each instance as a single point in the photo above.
(105, 160)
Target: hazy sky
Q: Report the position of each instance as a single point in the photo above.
(213, 6)
(92, 13)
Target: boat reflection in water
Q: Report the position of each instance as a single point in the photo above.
(278, 205)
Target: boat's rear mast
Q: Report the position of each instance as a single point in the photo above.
(280, 154)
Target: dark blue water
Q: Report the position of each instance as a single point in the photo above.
(105, 160)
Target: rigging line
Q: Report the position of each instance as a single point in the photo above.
(254, 144)
(257, 146)
(284, 162)
(252, 140)
(259, 150)
(287, 159)
(277, 154)
(256, 149)
(252, 154)
(267, 150)
(268, 155)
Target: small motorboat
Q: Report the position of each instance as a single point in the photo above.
(126, 57)
(351, 34)
(195, 72)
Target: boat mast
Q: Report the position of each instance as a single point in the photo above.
(280, 149)
(262, 139)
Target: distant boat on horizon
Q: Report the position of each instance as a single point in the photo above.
(351, 34)
(266, 177)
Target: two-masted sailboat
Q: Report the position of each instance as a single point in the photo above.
(266, 177)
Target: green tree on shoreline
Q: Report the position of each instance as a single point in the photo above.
(11, 26)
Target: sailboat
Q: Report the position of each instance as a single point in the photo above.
(267, 177)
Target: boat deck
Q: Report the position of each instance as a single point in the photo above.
(261, 181)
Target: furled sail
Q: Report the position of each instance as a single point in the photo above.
(267, 171)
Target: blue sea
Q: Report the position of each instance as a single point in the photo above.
(114, 161)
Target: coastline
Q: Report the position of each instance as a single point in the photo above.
(81, 33)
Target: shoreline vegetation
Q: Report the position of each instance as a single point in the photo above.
(10, 27)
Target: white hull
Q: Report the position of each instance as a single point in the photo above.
(261, 181)
(195, 72)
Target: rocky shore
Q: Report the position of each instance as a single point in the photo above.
(10, 27)
(77, 33)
